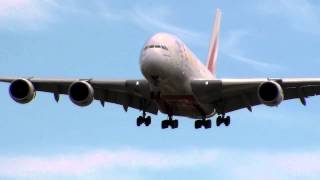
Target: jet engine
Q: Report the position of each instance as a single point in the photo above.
(22, 91)
(270, 93)
(81, 93)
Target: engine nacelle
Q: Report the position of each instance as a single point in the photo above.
(270, 93)
(81, 93)
(22, 91)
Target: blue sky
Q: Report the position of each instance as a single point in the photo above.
(103, 38)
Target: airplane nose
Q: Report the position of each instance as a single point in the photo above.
(154, 64)
(155, 58)
(152, 60)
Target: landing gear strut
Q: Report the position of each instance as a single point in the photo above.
(143, 120)
(170, 123)
(206, 123)
(223, 120)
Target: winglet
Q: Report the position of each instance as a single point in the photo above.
(214, 44)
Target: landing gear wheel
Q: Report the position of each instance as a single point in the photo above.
(227, 121)
(207, 124)
(197, 124)
(139, 121)
(223, 120)
(147, 121)
(143, 120)
(165, 124)
(174, 124)
(219, 121)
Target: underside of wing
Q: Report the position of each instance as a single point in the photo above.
(228, 95)
(128, 93)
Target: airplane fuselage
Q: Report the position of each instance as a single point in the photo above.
(169, 65)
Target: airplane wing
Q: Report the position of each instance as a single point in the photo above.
(228, 95)
(128, 93)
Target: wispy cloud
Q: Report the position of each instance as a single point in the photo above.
(231, 46)
(151, 19)
(303, 15)
(157, 19)
(255, 63)
(24, 13)
(231, 164)
(35, 14)
(84, 163)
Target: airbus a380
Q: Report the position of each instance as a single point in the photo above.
(176, 83)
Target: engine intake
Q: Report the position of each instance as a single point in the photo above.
(22, 91)
(270, 93)
(81, 93)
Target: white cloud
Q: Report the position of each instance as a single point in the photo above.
(24, 13)
(231, 164)
(9, 5)
(84, 163)
(279, 165)
(303, 15)
(36, 14)
(231, 46)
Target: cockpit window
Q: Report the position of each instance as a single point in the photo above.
(164, 47)
(156, 46)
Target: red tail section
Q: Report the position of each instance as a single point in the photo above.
(214, 44)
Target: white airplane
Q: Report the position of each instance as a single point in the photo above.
(176, 83)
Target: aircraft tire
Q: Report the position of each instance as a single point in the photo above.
(165, 124)
(208, 124)
(139, 121)
(227, 121)
(175, 124)
(148, 121)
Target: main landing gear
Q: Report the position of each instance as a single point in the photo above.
(206, 123)
(143, 120)
(174, 124)
(223, 120)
